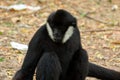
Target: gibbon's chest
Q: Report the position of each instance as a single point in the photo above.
(65, 51)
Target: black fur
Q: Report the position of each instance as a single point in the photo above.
(56, 60)
(51, 70)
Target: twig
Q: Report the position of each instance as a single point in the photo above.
(100, 30)
(96, 19)
(100, 21)
(86, 15)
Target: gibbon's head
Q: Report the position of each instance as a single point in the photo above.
(60, 26)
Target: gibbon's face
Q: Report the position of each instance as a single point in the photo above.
(60, 26)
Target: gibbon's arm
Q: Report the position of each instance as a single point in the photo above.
(31, 59)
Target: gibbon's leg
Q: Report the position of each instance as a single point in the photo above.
(78, 68)
(49, 67)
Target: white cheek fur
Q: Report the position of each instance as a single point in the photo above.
(50, 32)
(67, 35)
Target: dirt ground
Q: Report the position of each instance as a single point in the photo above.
(98, 21)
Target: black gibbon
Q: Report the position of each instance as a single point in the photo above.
(56, 53)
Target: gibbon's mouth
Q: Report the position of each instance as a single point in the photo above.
(58, 39)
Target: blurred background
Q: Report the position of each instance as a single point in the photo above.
(98, 22)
